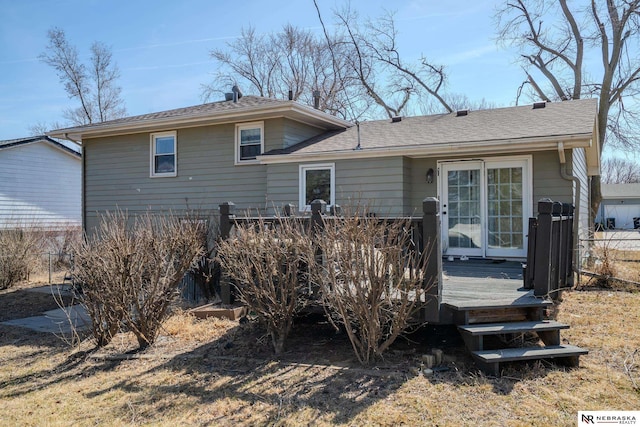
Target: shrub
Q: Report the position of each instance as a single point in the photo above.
(60, 244)
(269, 265)
(17, 254)
(366, 285)
(130, 275)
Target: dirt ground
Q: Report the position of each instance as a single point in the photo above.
(219, 372)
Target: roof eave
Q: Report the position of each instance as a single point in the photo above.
(287, 108)
(473, 147)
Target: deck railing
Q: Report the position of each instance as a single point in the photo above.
(425, 239)
(550, 250)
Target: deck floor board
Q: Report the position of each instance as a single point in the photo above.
(484, 283)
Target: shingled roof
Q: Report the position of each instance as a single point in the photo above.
(40, 138)
(561, 120)
(243, 109)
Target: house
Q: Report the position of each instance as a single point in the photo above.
(487, 167)
(40, 182)
(620, 206)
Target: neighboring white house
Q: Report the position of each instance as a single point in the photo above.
(620, 206)
(40, 183)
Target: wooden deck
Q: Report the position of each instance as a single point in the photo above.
(483, 282)
(483, 285)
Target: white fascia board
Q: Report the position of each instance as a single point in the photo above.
(476, 147)
(197, 119)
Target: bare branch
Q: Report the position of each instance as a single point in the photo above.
(95, 89)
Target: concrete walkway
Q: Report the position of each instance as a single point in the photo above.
(55, 321)
(58, 321)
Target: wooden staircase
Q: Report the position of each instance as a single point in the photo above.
(481, 322)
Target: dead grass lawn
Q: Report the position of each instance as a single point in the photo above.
(217, 372)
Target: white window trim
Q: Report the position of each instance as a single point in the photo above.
(484, 163)
(243, 126)
(302, 180)
(152, 151)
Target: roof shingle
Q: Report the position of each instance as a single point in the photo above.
(513, 123)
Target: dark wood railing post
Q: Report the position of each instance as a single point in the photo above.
(531, 253)
(289, 209)
(227, 217)
(318, 207)
(569, 245)
(556, 255)
(335, 210)
(432, 249)
(543, 248)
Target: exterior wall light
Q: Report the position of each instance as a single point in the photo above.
(430, 176)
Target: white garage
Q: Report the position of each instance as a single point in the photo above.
(620, 205)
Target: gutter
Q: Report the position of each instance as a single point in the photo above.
(473, 147)
(576, 201)
(197, 119)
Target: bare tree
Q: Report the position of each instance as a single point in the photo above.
(553, 39)
(620, 171)
(375, 53)
(374, 61)
(94, 86)
(357, 69)
(41, 128)
(271, 65)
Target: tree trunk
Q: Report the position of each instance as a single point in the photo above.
(596, 198)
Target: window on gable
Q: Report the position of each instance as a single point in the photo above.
(249, 141)
(163, 154)
(317, 182)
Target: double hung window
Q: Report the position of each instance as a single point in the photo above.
(163, 154)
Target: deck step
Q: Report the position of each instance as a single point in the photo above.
(547, 330)
(490, 359)
(529, 353)
(525, 302)
(512, 327)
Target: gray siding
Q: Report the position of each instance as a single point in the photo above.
(379, 183)
(118, 169)
(547, 181)
(400, 183)
(282, 185)
(420, 189)
(295, 132)
(579, 170)
(117, 174)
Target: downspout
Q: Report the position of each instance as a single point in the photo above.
(83, 216)
(576, 201)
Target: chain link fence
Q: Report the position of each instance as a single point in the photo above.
(610, 257)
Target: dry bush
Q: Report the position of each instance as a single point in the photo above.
(632, 368)
(130, 275)
(60, 244)
(18, 254)
(365, 283)
(269, 265)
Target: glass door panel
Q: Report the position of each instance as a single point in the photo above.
(462, 210)
(507, 192)
(485, 206)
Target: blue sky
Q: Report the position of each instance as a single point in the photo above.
(162, 47)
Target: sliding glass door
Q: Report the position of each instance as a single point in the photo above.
(485, 207)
